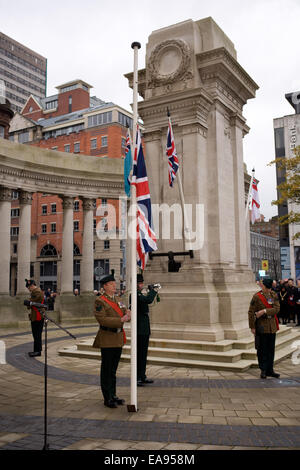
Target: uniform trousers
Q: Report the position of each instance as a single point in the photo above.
(142, 352)
(266, 351)
(37, 329)
(110, 358)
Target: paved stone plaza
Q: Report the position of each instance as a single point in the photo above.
(185, 409)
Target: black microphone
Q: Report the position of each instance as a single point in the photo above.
(28, 303)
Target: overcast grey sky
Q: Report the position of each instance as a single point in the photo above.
(91, 40)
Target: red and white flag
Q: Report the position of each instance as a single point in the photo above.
(255, 205)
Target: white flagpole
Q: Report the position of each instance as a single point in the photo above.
(249, 195)
(186, 228)
(133, 405)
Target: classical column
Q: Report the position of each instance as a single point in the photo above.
(67, 246)
(87, 263)
(24, 241)
(5, 208)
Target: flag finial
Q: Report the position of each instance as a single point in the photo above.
(136, 44)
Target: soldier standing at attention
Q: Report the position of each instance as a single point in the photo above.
(143, 330)
(263, 323)
(36, 317)
(111, 315)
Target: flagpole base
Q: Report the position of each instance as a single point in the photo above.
(132, 408)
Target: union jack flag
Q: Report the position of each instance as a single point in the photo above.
(173, 163)
(145, 236)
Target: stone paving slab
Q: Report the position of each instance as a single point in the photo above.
(184, 409)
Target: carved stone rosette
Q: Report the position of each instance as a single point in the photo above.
(169, 62)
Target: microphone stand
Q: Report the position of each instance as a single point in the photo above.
(46, 319)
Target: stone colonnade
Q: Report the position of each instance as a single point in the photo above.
(23, 267)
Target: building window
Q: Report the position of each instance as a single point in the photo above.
(51, 104)
(76, 206)
(15, 248)
(48, 268)
(67, 148)
(23, 137)
(15, 195)
(95, 224)
(70, 104)
(44, 228)
(123, 142)
(14, 231)
(48, 250)
(93, 144)
(76, 147)
(76, 251)
(53, 208)
(106, 244)
(53, 227)
(76, 225)
(44, 209)
(125, 120)
(104, 141)
(104, 202)
(98, 119)
(15, 212)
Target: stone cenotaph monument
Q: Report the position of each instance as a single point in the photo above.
(192, 71)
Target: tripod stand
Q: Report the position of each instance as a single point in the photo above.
(46, 319)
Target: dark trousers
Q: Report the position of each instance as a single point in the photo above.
(142, 351)
(110, 358)
(37, 329)
(266, 351)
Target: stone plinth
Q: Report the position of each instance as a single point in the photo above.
(191, 69)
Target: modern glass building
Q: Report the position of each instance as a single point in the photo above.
(287, 138)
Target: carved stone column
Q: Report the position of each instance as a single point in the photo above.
(5, 208)
(67, 246)
(24, 242)
(87, 263)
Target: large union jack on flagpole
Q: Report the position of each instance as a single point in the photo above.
(145, 236)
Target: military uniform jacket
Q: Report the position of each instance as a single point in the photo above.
(143, 301)
(107, 317)
(36, 296)
(267, 322)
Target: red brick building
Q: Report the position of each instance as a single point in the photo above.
(74, 122)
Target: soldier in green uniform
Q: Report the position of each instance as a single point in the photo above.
(111, 315)
(263, 323)
(36, 317)
(143, 330)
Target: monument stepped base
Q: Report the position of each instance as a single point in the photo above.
(227, 355)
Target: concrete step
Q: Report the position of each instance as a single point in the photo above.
(205, 355)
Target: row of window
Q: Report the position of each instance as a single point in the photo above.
(63, 131)
(67, 147)
(22, 62)
(44, 227)
(23, 72)
(21, 80)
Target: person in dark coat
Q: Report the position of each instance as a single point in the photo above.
(284, 308)
(143, 329)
